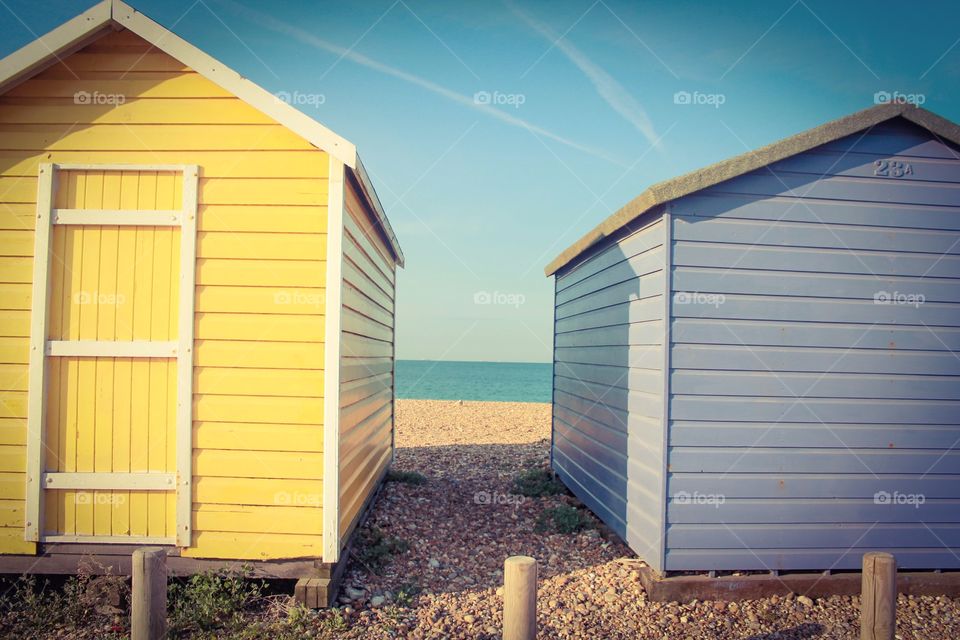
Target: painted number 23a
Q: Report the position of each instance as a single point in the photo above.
(892, 168)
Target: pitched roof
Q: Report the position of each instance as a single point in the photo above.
(110, 15)
(678, 187)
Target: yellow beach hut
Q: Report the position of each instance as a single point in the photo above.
(197, 317)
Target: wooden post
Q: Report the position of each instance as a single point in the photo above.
(148, 609)
(878, 600)
(519, 598)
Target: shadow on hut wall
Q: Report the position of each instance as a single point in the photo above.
(608, 381)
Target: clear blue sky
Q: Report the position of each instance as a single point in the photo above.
(581, 117)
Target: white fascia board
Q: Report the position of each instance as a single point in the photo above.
(225, 77)
(50, 48)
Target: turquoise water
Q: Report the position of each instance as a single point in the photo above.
(446, 380)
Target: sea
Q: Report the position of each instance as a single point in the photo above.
(452, 380)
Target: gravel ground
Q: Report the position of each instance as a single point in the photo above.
(463, 522)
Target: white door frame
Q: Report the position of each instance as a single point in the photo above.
(41, 347)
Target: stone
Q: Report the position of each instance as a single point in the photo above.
(353, 593)
(377, 601)
(805, 601)
(434, 563)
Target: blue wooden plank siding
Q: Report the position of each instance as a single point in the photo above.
(814, 409)
(608, 383)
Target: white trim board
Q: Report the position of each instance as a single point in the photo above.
(144, 540)
(37, 370)
(117, 217)
(117, 166)
(331, 365)
(186, 317)
(112, 348)
(93, 481)
(74, 34)
(225, 77)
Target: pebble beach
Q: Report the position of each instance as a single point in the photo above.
(457, 526)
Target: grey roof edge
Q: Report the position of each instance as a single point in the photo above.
(373, 199)
(708, 176)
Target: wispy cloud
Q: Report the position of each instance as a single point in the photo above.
(613, 93)
(305, 37)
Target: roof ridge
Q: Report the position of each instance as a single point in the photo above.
(710, 175)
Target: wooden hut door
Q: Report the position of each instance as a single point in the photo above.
(117, 357)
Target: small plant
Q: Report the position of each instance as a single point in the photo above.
(210, 600)
(89, 599)
(333, 623)
(563, 519)
(375, 549)
(391, 617)
(29, 610)
(274, 617)
(406, 477)
(538, 483)
(407, 594)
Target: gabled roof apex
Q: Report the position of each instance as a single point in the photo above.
(115, 14)
(109, 15)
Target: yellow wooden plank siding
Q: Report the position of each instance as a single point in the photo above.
(16, 267)
(259, 318)
(366, 351)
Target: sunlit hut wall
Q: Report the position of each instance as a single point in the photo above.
(186, 311)
(755, 364)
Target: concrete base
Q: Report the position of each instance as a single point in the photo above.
(685, 588)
